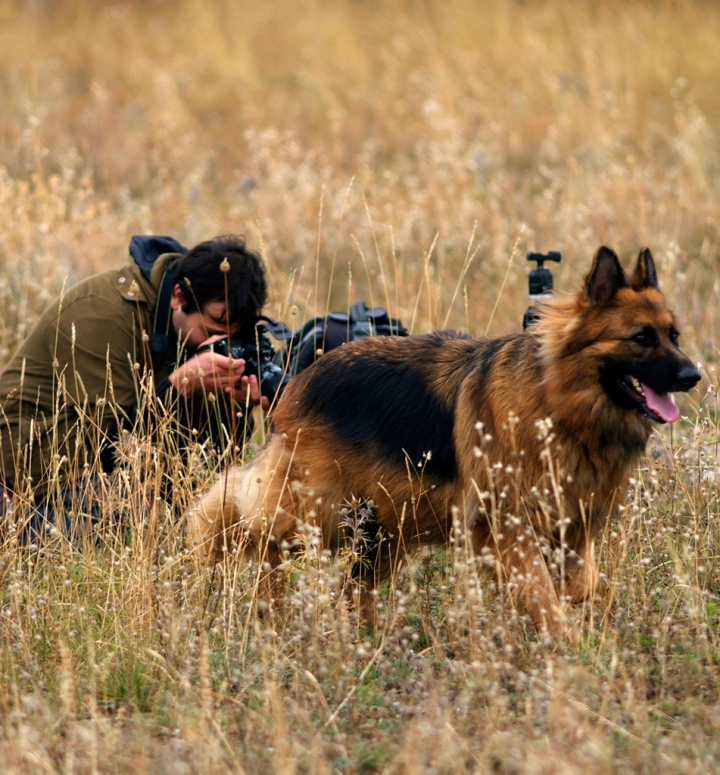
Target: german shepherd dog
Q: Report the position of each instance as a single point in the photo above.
(528, 439)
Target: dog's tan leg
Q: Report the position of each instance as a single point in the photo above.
(581, 576)
(532, 589)
(271, 580)
(521, 568)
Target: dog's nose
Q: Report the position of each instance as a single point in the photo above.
(688, 377)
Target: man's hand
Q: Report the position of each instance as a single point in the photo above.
(214, 373)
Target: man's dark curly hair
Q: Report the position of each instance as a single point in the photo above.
(203, 277)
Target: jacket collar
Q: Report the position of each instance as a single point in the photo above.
(132, 285)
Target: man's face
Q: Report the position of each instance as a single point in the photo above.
(195, 327)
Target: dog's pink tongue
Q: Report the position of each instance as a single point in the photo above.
(661, 403)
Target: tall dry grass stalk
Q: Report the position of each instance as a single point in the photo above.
(402, 153)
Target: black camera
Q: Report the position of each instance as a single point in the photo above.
(258, 357)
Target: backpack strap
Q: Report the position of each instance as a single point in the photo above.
(360, 320)
(160, 337)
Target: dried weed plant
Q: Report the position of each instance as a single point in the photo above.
(407, 155)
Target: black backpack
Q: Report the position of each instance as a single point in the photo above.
(318, 335)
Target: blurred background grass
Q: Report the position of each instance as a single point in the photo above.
(361, 131)
(408, 153)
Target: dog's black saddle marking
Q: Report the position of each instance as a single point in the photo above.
(383, 403)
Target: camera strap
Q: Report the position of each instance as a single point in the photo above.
(160, 337)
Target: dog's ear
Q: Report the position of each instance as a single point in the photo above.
(605, 278)
(644, 275)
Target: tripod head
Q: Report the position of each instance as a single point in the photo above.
(540, 282)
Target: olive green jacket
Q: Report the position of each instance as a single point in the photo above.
(86, 358)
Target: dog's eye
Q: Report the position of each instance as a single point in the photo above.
(646, 337)
(673, 334)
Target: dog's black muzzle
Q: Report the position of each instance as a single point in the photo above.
(687, 377)
(644, 385)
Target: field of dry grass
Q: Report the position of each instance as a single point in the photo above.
(409, 154)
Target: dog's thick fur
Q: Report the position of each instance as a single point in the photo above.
(532, 436)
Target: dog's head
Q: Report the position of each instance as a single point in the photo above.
(634, 337)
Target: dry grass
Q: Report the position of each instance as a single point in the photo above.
(409, 155)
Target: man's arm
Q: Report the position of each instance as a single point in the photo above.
(182, 396)
(93, 345)
(214, 373)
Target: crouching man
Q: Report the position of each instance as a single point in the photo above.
(117, 352)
